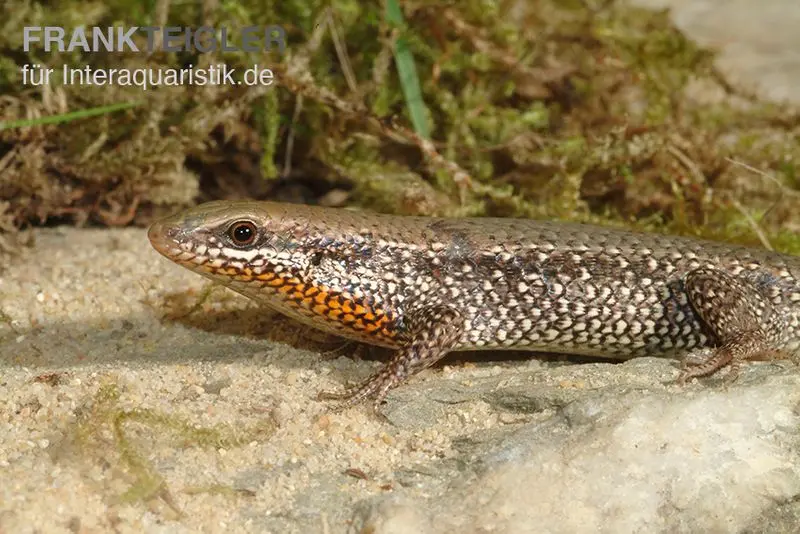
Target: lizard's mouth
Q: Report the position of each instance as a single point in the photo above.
(176, 239)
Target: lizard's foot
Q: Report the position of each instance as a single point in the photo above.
(711, 361)
(376, 386)
(703, 362)
(431, 333)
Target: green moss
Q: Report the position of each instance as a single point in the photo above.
(121, 440)
(268, 115)
(572, 114)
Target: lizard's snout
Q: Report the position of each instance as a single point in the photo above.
(163, 235)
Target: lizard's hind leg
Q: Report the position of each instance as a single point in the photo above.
(739, 316)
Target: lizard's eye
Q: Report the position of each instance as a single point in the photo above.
(242, 233)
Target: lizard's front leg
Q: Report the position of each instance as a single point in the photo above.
(429, 334)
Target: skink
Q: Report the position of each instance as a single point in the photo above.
(428, 286)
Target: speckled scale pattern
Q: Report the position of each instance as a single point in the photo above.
(513, 283)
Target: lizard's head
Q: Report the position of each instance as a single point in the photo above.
(239, 241)
(282, 255)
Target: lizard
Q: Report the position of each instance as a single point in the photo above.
(426, 286)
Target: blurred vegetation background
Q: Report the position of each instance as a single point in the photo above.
(576, 109)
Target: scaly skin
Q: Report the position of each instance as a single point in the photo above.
(428, 286)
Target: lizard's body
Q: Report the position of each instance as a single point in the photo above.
(427, 286)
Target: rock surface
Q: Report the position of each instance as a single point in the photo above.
(758, 44)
